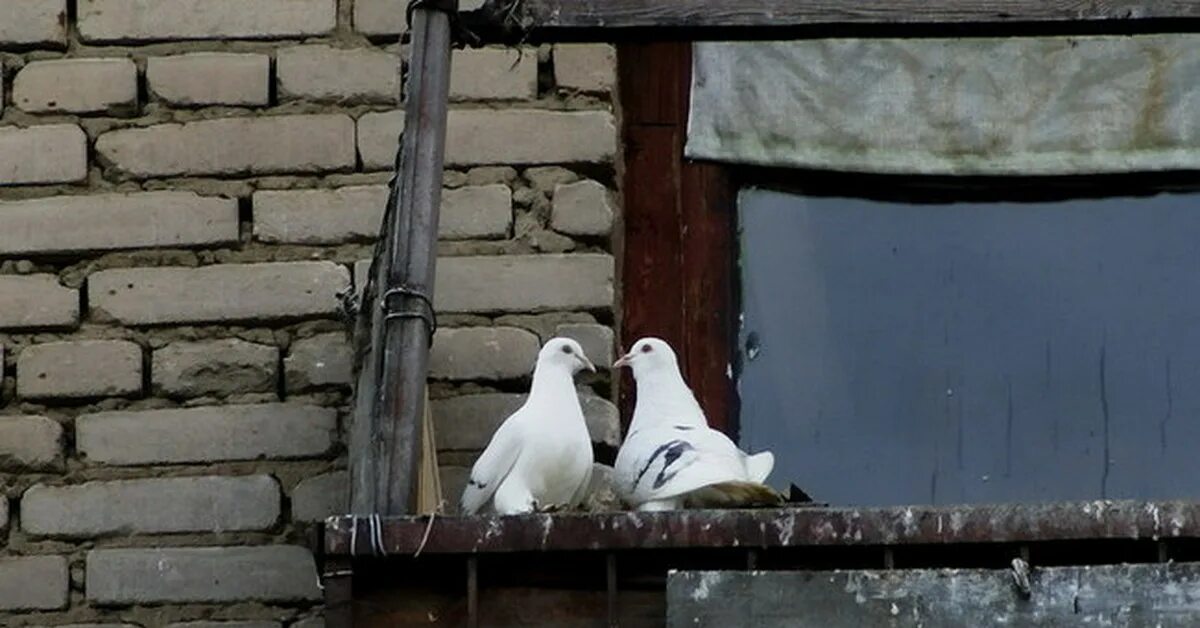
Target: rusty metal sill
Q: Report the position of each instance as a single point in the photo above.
(791, 527)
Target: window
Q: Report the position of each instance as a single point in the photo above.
(956, 348)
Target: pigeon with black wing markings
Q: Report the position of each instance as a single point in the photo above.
(671, 459)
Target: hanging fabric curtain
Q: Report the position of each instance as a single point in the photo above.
(1038, 105)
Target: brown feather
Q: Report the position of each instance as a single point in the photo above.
(734, 495)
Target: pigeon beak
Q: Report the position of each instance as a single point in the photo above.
(587, 364)
(624, 361)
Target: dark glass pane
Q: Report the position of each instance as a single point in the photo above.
(973, 352)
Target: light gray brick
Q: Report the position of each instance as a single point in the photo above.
(454, 480)
(596, 340)
(483, 211)
(324, 73)
(29, 443)
(100, 626)
(214, 367)
(499, 136)
(324, 360)
(227, 292)
(482, 353)
(140, 20)
(466, 423)
(233, 146)
(524, 283)
(79, 369)
(48, 153)
(600, 496)
(36, 301)
(529, 136)
(311, 622)
(206, 434)
(326, 495)
(77, 86)
(33, 583)
(150, 506)
(226, 624)
(278, 573)
(603, 419)
(379, 17)
(103, 222)
(319, 216)
(582, 208)
(378, 134)
(210, 78)
(493, 74)
(545, 178)
(33, 22)
(3, 513)
(585, 67)
(356, 213)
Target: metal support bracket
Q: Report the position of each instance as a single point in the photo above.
(460, 35)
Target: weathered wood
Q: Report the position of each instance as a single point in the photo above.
(709, 308)
(678, 256)
(1125, 595)
(652, 287)
(728, 20)
(791, 527)
(337, 578)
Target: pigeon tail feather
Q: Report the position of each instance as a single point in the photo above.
(734, 495)
(760, 465)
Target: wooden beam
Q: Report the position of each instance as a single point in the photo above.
(658, 20)
(677, 263)
(1122, 522)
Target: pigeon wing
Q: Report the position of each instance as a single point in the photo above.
(492, 467)
(668, 461)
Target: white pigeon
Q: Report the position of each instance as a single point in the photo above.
(671, 458)
(541, 456)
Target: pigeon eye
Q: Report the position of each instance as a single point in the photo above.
(566, 349)
(646, 349)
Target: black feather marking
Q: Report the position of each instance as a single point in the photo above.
(476, 483)
(684, 428)
(673, 454)
(657, 452)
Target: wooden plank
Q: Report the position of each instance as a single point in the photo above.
(1111, 595)
(617, 20)
(709, 304)
(652, 111)
(1122, 521)
(678, 240)
(654, 84)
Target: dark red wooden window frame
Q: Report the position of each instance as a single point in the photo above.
(677, 261)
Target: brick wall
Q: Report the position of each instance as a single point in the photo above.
(184, 186)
